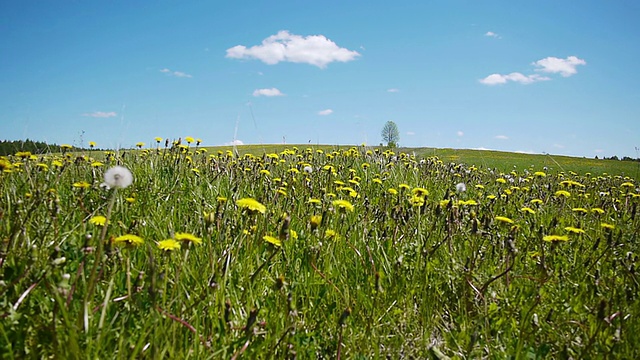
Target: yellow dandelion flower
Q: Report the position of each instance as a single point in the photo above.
(92, 144)
(504, 219)
(527, 210)
(265, 172)
(416, 201)
(580, 210)
(574, 230)
(252, 205)
(272, 240)
(444, 203)
(539, 174)
(129, 239)
(158, 139)
(536, 201)
(221, 199)
(343, 205)
(555, 238)
(81, 185)
(98, 220)
(491, 197)
(186, 237)
(139, 144)
(56, 163)
(315, 221)
(96, 164)
(189, 139)
(330, 234)
(404, 187)
(130, 200)
(597, 210)
(66, 146)
(314, 201)
(293, 234)
(422, 192)
(392, 191)
(607, 226)
(501, 181)
(627, 184)
(377, 181)
(479, 186)
(168, 245)
(562, 193)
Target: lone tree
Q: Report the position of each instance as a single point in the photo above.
(390, 134)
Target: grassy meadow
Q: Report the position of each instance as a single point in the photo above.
(318, 252)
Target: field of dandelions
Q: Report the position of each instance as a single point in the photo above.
(180, 252)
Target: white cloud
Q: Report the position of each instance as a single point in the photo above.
(501, 137)
(566, 67)
(393, 90)
(325, 112)
(598, 151)
(234, 142)
(559, 146)
(460, 133)
(410, 133)
(313, 49)
(101, 114)
(267, 92)
(495, 79)
(525, 152)
(492, 34)
(175, 73)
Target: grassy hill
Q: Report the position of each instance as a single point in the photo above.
(500, 160)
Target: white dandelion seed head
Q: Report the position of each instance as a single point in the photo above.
(461, 187)
(117, 177)
(308, 169)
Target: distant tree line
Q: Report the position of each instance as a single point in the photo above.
(625, 158)
(10, 147)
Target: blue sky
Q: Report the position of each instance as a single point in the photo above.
(559, 77)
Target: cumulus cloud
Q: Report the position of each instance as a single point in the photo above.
(495, 79)
(267, 92)
(566, 67)
(325, 112)
(393, 90)
(492, 34)
(501, 137)
(175, 73)
(101, 114)
(234, 142)
(460, 133)
(553, 65)
(316, 50)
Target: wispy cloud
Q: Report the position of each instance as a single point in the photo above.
(325, 112)
(493, 35)
(101, 114)
(552, 65)
(393, 90)
(495, 79)
(460, 133)
(566, 67)
(501, 137)
(267, 92)
(410, 133)
(234, 142)
(316, 50)
(175, 73)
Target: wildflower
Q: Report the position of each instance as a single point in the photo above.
(479, 186)
(330, 234)
(118, 177)
(491, 197)
(377, 181)
(461, 187)
(98, 220)
(252, 205)
(293, 234)
(265, 172)
(314, 201)
(469, 202)
(308, 169)
(129, 239)
(404, 187)
(188, 237)
(539, 174)
(393, 191)
(189, 139)
(574, 230)
(130, 200)
(158, 139)
(92, 144)
(315, 221)
(607, 226)
(555, 238)
(96, 164)
(139, 145)
(580, 210)
(420, 192)
(527, 210)
(536, 201)
(272, 240)
(501, 181)
(66, 146)
(43, 167)
(343, 205)
(416, 201)
(504, 219)
(168, 245)
(562, 193)
(444, 203)
(597, 210)
(81, 184)
(627, 184)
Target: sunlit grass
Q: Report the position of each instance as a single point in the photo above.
(316, 252)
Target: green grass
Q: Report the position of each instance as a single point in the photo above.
(448, 274)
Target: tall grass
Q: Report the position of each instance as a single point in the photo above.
(415, 269)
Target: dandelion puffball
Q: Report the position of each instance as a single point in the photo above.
(461, 187)
(118, 177)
